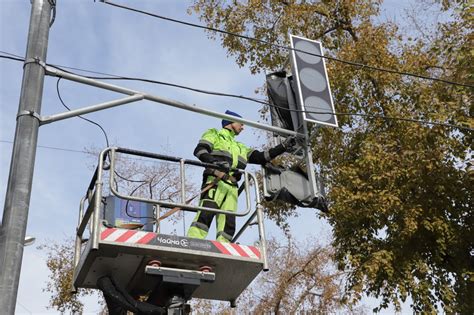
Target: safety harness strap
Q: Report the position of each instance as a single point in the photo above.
(224, 176)
(218, 176)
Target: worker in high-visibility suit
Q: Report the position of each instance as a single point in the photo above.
(219, 147)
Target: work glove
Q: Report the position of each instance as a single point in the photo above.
(290, 144)
(322, 204)
(223, 166)
(272, 169)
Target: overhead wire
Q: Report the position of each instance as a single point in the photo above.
(77, 151)
(79, 116)
(117, 77)
(90, 153)
(54, 148)
(352, 63)
(12, 58)
(105, 135)
(281, 107)
(98, 125)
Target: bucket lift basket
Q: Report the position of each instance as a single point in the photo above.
(142, 260)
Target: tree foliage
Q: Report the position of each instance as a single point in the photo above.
(60, 284)
(401, 203)
(302, 279)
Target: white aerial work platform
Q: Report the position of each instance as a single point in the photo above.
(144, 262)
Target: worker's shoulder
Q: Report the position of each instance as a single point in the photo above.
(210, 132)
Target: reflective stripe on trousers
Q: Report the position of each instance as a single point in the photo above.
(224, 197)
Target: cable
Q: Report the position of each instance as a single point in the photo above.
(352, 63)
(80, 151)
(88, 120)
(13, 55)
(85, 152)
(138, 217)
(179, 86)
(130, 180)
(116, 77)
(53, 9)
(54, 148)
(12, 58)
(16, 57)
(98, 125)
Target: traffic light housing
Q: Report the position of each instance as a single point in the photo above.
(281, 94)
(313, 92)
(298, 99)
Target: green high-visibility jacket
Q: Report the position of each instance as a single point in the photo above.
(222, 146)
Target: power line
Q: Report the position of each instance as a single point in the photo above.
(18, 57)
(89, 153)
(352, 63)
(54, 148)
(117, 77)
(12, 58)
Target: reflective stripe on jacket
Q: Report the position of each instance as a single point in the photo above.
(223, 146)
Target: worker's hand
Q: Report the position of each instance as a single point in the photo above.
(290, 144)
(223, 166)
(272, 169)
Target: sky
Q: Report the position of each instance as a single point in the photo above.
(94, 36)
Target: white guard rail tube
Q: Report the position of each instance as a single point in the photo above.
(77, 249)
(78, 243)
(86, 216)
(183, 184)
(247, 192)
(261, 228)
(244, 227)
(95, 233)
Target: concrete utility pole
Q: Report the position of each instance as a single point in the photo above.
(17, 199)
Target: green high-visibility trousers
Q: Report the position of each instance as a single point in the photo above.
(222, 196)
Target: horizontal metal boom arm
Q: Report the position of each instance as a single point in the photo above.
(81, 111)
(77, 78)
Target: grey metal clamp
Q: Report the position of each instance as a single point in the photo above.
(35, 60)
(29, 113)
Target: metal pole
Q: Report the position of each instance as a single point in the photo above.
(17, 199)
(309, 162)
(95, 232)
(261, 226)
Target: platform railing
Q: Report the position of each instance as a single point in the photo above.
(182, 205)
(93, 198)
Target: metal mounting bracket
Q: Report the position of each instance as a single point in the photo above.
(184, 276)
